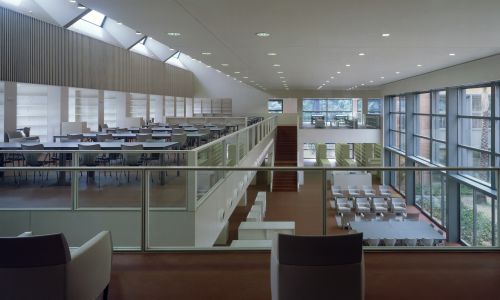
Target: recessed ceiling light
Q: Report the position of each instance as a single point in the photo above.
(206, 53)
(81, 6)
(348, 65)
(338, 72)
(72, 1)
(371, 81)
(331, 77)
(323, 84)
(451, 54)
(282, 77)
(209, 67)
(272, 54)
(276, 65)
(173, 33)
(138, 32)
(284, 81)
(217, 70)
(382, 77)
(280, 72)
(119, 23)
(245, 77)
(262, 34)
(227, 75)
(397, 72)
(224, 65)
(237, 72)
(362, 84)
(419, 66)
(172, 49)
(328, 81)
(361, 54)
(386, 34)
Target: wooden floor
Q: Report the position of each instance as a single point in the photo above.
(240, 275)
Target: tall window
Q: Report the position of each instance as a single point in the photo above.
(156, 108)
(189, 107)
(477, 218)
(331, 110)
(397, 122)
(275, 106)
(474, 125)
(374, 106)
(32, 109)
(430, 194)
(83, 107)
(398, 178)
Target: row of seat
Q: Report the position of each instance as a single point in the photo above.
(347, 217)
(366, 205)
(365, 190)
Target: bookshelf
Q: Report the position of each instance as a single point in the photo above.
(32, 109)
(136, 105)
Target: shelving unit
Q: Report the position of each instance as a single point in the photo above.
(169, 106)
(110, 104)
(136, 105)
(32, 109)
(342, 155)
(179, 106)
(83, 107)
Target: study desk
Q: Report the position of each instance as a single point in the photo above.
(396, 230)
(74, 146)
(264, 230)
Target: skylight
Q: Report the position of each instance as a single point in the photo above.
(95, 18)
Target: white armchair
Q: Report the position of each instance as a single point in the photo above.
(379, 205)
(362, 205)
(43, 267)
(343, 205)
(398, 205)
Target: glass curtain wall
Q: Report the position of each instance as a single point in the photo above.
(331, 110)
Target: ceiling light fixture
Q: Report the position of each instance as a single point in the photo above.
(397, 72)
(72, 1)
(361, 54)
(328, 81)
(282, 77)
(348, 65)
(263, 34)
(272, 54)
(382, 77)
(280, 72)
(245, 77)
(119, 23)
(386, 34)
(237, 72)
(419, 66)
(331, 77)
(224, 65)
(138, 32)
(284, 81)
(81, 6)
(173, 33)
(451, 54)
(371, 81)
(206, 53)
(276, 65)
(338, 72)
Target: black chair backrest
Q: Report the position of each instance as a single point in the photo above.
(34, 251)
(320, 250)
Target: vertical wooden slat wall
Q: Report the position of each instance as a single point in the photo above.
(33, 51)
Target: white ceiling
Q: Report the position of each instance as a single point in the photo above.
(314, 39)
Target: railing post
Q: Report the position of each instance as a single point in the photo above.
(497, 203)
(323, 194)
(144, 190)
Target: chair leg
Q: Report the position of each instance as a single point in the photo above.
(105, 293)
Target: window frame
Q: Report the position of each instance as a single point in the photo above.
(275, 111)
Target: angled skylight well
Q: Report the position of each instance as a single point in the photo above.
(95, 17)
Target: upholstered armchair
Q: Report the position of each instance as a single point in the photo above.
(43, 267)
(317, 267)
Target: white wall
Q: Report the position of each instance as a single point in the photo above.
(209, 83)
(477, 71)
